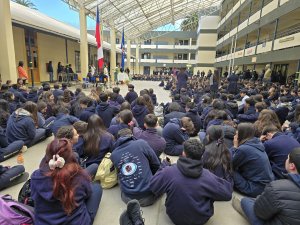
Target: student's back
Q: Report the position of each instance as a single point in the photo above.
(20, 126)
(191, 190)
(49, 210)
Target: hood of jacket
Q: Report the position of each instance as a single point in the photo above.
(255, 142)
(175, 121)
(190, 167)
(123, 140)
(90, 109)
(139, 110)
(295, 178)
(45, 189)
(20, 114)
(229, 131)
(103, 106)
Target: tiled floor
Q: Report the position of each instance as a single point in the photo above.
(111, 205)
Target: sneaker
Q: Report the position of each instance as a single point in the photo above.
(124, 219)
(24, 149)
(236, 203)
(134, 212)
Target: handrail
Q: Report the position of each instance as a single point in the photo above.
(289, 32)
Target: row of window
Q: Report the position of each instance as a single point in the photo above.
(180, 56)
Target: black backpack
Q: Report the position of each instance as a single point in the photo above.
(25, 194)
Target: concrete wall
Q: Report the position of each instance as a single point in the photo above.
(20, 49)
(50, 48)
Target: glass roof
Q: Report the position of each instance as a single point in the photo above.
(138, 17)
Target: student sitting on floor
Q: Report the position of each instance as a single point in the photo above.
(280, 201)
(277, 146)
(62, 191)
(125, 121)
(105, 111)
(95, 142)
(191, 190)
(136, 163)
(175, 133)
(22, 125)
(217, 158)
(62, 118)
(252, 169)
(150, 135)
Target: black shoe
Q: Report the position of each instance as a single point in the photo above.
(124, 219)
(134, 212)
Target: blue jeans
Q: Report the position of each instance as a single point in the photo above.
(10, 175)
(10, 150)
(93, 202)
(51, 76)
(92, 169)
(248, 208)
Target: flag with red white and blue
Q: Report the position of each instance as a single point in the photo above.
(123, 50)
(98, 40)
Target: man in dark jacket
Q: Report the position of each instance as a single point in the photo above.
(131, 95)
(175, 133)
(174, 110)
(191, 190)
(232, 86)
(62, 119)
(192, 113)
(105, 111)
(120, 98)
(88, 108)
(136, 163)
(57, 92)
(150, 135)
(250, 115)
(182, 78)
(280, 202)
(278, 146)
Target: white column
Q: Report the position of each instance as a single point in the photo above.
(113, 63)
(83, 42)
(8, 68)
(128, 54)
(137, 57)
(190, 49)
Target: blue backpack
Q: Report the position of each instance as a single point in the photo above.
(13, 212)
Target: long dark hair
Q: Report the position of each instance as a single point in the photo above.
(32, 108)
(245, 131)
(216, 150)
(63, 186)
(92, 136)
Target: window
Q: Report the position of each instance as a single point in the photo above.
(185, 56)
(194, 42)
(117, 40)
(183, 42)
(193, 56)
(146, 55)
(147, 42)
(77, 62)
(182, 57)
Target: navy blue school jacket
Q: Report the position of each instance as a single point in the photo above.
(131, 96)
(62, 120)
(139, 112)
(86, 113)
(106, 112)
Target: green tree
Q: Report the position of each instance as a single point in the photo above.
(26, 3)
(190, 23)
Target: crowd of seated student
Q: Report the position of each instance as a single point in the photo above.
(233, 154)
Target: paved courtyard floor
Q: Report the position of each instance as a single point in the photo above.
(111, 205)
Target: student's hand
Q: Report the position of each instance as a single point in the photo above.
(235, 141)
(263, 138)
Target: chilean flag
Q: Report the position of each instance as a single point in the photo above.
(98, 40)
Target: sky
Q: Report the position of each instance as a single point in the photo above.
(59, 10)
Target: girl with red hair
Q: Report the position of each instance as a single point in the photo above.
(62, 191)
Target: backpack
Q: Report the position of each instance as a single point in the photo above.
(25, 194)
(13, 212)
(107, 173)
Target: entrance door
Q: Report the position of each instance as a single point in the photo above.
(32, 56)
(147, 70)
